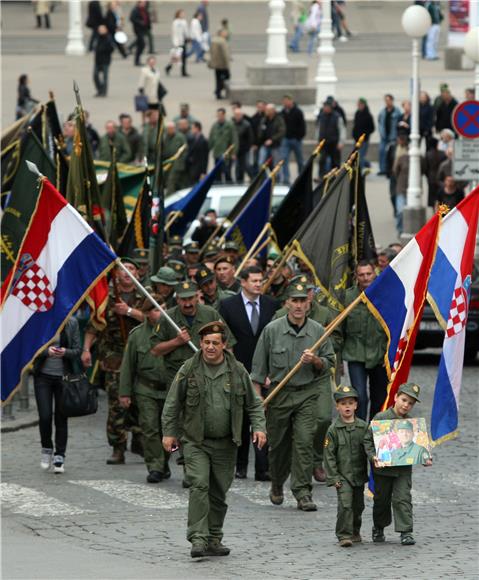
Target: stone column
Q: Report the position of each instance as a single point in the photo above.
(75, 46)
(276, 31)
(326, 74)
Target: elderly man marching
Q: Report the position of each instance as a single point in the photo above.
(292, 414)
(206, 402)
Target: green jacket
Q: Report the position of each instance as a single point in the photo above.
(141, 372)
(279, 348)
(120, 143)
(222, 135)
(324, 316)
(164, 332)
(186, 400)
(413, 454)
(371, 450)
(344, 455)
(219, 296)
(149, 142)
(364, 339)
(171, 146)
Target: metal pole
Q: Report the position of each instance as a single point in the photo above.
(276, 31)
(326, 78)
(414, 190)
(75, 46)
(153, 301)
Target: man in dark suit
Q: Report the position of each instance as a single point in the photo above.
(197, 154)
(246, 314)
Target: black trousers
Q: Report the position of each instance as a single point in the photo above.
(100, 77)
(330, 157)
(224, 173)
(242, 166)
(221, 75)
(48, 388)
(140, 47)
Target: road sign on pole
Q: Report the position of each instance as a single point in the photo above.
(465, 119)
(466, 159)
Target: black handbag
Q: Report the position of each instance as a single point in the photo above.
(79, 396)
(162, 92)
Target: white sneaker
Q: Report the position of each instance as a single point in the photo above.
(46, 458)
(343, 39)
(58, 464)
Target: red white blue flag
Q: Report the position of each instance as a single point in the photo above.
(397, 297)
(60, 260)
(449, 295)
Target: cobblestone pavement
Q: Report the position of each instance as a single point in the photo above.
(108, 523)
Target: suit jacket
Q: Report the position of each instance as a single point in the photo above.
(197, 158)
(234, 314)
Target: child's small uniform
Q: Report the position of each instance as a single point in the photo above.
(345, 461)
(392, 485)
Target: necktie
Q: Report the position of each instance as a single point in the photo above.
(254, 317)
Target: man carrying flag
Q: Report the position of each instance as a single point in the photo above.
(449, 295)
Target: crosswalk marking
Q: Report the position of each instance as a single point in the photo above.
(24, 500)
(258, 493)
(141, 495)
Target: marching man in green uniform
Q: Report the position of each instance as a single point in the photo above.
(164, 282)
(142, 377)
(212, 295)
(206, 403)
(409, 453)
(392, 485)
(292, 414)
(346, 465)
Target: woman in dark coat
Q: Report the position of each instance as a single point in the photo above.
(363, 124)
(25, 101)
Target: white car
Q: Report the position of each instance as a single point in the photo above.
(222, 198)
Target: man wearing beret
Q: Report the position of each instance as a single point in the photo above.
(142, 378)
(292, 413)
(208, 285)
(208, 398)
(123, 312)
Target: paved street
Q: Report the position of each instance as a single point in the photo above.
(99, 521)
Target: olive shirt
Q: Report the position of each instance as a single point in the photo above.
(364, 339)
(371, 450)
(344, 455)
(219, 296)
(217, 400)
(413, 454)
(324, 316)
(141, 372)
(164, 331)
(279, 348)
(192, 392)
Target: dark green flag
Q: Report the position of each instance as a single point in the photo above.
(22, 200)
(322, 242)
(112, 204)
(138, 230)
(362, 245)
(82, 186)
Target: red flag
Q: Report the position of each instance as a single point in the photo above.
(97, 300)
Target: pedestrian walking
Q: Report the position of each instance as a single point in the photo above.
(104, 47)
(42, 10)
(114, 21)
(444, 105)
(60, 358)
(149, 81)
(363, 124)
(295, 132)
(208, 399)
(222, 136)
(388, 119)
(219, 61)
(140, 19)
(313, 23)
(432, 38)
(197, 38)
(93, 21)
(332, 129)
(179, 39)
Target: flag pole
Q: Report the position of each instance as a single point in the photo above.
(172, 217)
(253, 247)
(328, 331)
(286, 255)
(153, 301)
(263, 245)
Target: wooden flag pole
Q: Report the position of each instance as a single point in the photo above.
(328, 331)
(172, 217)
(253, 247)
(286, 255)
(263, 245)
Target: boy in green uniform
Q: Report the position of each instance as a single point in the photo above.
(346, 465)
(392, 485)
(205, 407)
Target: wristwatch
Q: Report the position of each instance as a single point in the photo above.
(128, 312)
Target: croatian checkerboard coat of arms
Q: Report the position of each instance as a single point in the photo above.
(32, 286)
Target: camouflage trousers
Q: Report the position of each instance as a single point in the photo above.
(119, 420)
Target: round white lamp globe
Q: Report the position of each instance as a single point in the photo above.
(471, 44)
(416, 21)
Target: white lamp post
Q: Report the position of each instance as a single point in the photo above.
(276, 31)
(471, 48)
(326, 74)
(75, 46)
(416, 21)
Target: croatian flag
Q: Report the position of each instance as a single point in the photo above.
(60, 260)
(397, 297)
(449, 295)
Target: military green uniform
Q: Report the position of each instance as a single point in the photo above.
(221, 136)
(345, 461)
(176, 177)
(324, 316)
(164, 332)
(412, 454)
(121, 145)
(365, 344)
(142, 376)
(392, 485)
(211, 401)
(292, 414)
(235, 288)
(110, 346)
(219, 296)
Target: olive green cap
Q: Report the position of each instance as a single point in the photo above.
(192, 248)
(178, 267)
(297, 291)
(211, 250)
(404, 425)
(165, 275)
(410, 389)
(128, 260)
(345, 391)
(186, 289)
(175, 240)
(212, 328)
(141, 255)
(303, 279)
